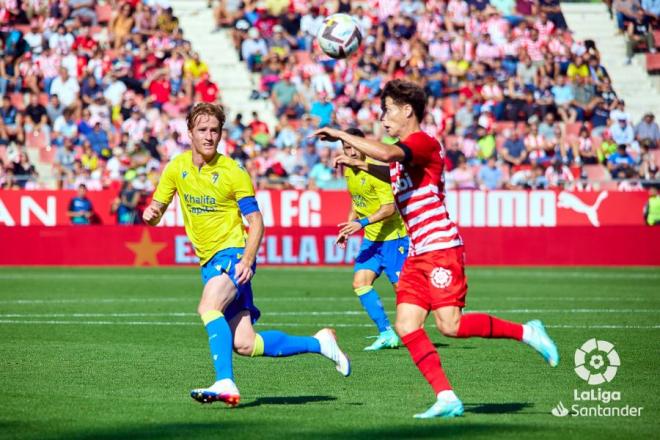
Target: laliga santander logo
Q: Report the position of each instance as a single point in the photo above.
(596, 361)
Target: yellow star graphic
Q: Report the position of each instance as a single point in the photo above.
(146, 251)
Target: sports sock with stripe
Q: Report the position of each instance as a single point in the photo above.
(220, 344)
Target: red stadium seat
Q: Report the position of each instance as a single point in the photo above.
(573, 128)
(597, 173)
(17, 101)
(499, 142)
(43, 99)
(653, 62)
(656, 37)
(303, 57)
(47, 154)
(500, 126)
(517, 168)
(36, 139)
(104, 13)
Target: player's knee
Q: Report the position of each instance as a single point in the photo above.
(360, 285)
(244, 346)
(448, 327)
(405, 326)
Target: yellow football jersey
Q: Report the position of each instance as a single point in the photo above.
(209, 200)
(368, 193)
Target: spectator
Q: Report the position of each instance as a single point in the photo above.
(490, 176)
(24, 172)
(12, 127)
(206, 90)
(322, 109)
(285, 97)
(584, 150)
(66, 88)
(125, 206)
(648, 168)
(322, 175)
(514, 152)
(83, 9)
(36, 119)
(564, 96)
(622, 132)
(638, 31)
(559, 175)
(585, 97)
(535, 145)
(648, 130)
(620, 163)
(253, 50)
(121, 25)
(80, 210)
(462, 177)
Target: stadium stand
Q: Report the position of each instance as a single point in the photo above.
(113, 80)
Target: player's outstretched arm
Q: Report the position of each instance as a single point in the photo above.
(154, 212)
(372, 148)
(255, 235)
(381, 172)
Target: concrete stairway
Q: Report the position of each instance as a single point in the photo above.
(234, 79)
(631, 82)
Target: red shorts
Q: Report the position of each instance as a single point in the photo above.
(434, 279)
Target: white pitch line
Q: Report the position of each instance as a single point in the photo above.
(476, 272)
(305, 313)
(347, 298)
(287, 324)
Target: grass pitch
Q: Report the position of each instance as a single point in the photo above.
(113, 353)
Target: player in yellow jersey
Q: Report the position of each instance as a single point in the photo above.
(385, 244)
(214, 191)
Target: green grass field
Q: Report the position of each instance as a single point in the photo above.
(112, 353)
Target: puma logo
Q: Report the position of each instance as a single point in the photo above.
(570, 201)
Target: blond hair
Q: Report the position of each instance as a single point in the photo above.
(204, 108)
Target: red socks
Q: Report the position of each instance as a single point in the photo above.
(427, 359)
(487, 326)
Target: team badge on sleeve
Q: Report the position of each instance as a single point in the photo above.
(441, 277)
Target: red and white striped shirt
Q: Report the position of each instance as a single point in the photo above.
(418, 185)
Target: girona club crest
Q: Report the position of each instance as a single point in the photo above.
(441, 277)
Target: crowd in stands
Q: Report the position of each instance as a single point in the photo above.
(100, 90)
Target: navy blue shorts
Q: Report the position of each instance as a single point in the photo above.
(225, 262)
(379, 256)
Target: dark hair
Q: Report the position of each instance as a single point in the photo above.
(355, 132)
(404, 92)
(205, 109)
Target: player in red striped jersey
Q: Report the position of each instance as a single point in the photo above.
(433, 278)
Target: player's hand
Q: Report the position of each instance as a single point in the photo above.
(327, 134)
(349, 228)
(243, 272)
(151, 215)
(341, 241)
(342, 159)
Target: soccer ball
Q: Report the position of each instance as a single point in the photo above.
(339, 35)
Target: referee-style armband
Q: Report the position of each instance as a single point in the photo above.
(248, 205)
(364, 222)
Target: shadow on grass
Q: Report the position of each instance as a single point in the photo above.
(440, 429)
(443, 345)
(496, 408)
(286, 400)
(165, 431)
